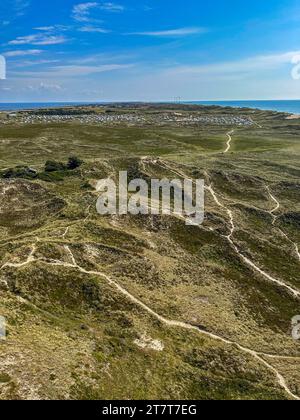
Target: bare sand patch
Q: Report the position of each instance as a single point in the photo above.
(293, 117)
(147, 343)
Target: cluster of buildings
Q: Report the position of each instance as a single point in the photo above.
(191, 119)
(156, 118)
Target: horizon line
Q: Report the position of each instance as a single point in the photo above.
(147, 101)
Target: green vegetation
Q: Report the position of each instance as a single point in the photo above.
(74, 162)
(19, 172)
(53, 171)
(52, 166)
(74, 334)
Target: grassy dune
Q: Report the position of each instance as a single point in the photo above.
(73, 334)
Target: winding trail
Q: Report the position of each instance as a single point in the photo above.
(229, 141)
(273, 198)
(251, 264)
(277, 207)
(259, 356)
(65, 232)
(294, 292)
(256, 123)
(29, 260)
(275, 218)
(293, 243)
(170, 323)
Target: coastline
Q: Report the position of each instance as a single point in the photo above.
(291, 108)
(293, 117)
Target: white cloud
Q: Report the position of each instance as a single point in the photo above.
(20, 6)
(247, 65)
(112, 7)
(52, 28)
(82, 11)
(45, 87)
(93, 29)
(30, 63)
(172, 32)
(45, 28)
(22, 53)
(74, 71)
(104, 58)
(11, 10)
(39, 39)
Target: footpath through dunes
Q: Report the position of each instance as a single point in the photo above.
(275, 218)
(68, 240)
(276, 208)
(228, 144)
(26, 205)
(293, 291)
(260, 357)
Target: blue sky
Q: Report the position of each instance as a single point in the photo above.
(66, 50)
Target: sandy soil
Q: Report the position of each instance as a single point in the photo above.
(293, 117)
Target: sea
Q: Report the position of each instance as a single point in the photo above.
(289, 106)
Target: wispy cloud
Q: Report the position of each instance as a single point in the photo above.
(105, 58)
(247, 65)
(20, 6)
(31, 63)
(12, 9)
(111, 7)
(82, 12)
(39, 39)
(171, 32)
(45, 86)
(22, 53)
(94, 29)
(53, 28)
(76, 70)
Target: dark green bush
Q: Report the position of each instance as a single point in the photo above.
(54, 171)
(74, 162)
(19, 172)
(53, 166)
(51, 176)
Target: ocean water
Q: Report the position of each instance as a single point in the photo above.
(16, 106)
(292, 107)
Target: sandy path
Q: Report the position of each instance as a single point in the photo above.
(229, 141)
(171, 323)
(250, 263)
(277, 206)
(294, 292)
(273, 198)
(29, 260)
